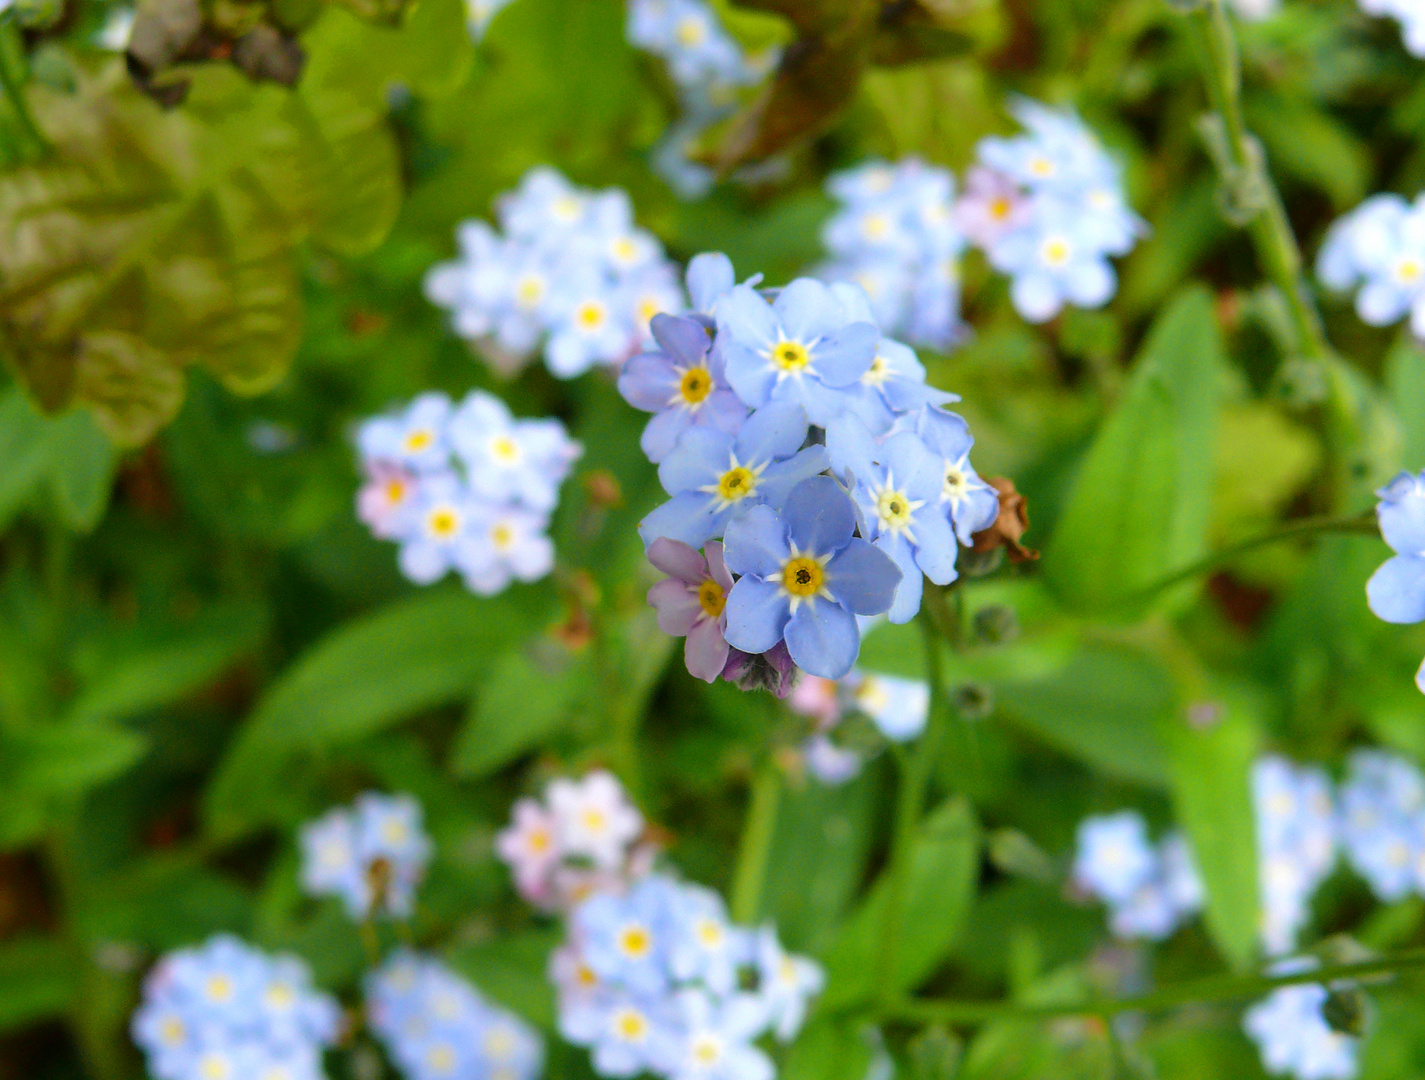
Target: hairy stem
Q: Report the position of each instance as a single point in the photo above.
(750, 876)
(1196, 992)
(916, 769)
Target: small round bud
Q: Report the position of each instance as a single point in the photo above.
(974, 701)
(996, 624)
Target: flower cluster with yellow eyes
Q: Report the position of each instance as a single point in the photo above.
(466, 488)
(809, 462)
(570, 275)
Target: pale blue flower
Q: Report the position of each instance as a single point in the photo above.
(627, 1035)
(683, 384)
(1382, 823)
(897, 485)
(971, 504)
(502, 543)
(715, 1040)
(1296, 845)
(1379, 246)
(1114, 859)
(898, 707)
(441, 519)
(1293, 1035)
(805, 578)
(1055, 259)
(786, 985)
(589, 324)
(413, 439)
(703, 945)
(625, 939)
(372, 856)
(715, 478)
(1396, 591)
(509, 460)
(799, 348)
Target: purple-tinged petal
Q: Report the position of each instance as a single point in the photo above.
(863, 579)
(682, 338)
(773, 431)
(823, 639)
(1396, 590)
(678, 560)
(756, 543)
(648, 382)
(757, 613)
(699, 459)
(778, 480)
(677, 605)
(819, 515)
(724, 411)
(689, 517)
(717, 565)
(705, 651)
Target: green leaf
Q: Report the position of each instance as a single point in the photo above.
(1211, 746)
(944, 873)
(39, 978)
(1405, 383)
(25, 451)
(829, 1049)
(44, 765)
(165, 673)
(511, 969)
(1310, 145)
(365, 677)
(1104, 709)
(82, 464)
(1139, 507)
(527, 697)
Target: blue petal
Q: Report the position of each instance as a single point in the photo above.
(661, 434)
(773, 432)
(819, 515)
(1091, 283)
(912, 584)
(808, 310)
(757, 614)
(823, 403)
(863, 579)
(1036, 296)
(1402, 515)
(976, 514)
(1396, 590)
(852, 448)
(749, 373)
(689, 517)
(844, 356)
(823, 639)
(701, 456)
(915, 469)
(944, 432)
(682, 338)
(779, 479)
(709, 276)
(747, 319)
(756, 543)
(935, 546)
(724, 411)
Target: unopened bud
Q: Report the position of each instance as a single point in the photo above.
(996, 624)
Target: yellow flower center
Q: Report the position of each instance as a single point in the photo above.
(173, 1031)
(395, 491)
(691, 32)
(441, 1059)
(443, 522)
(630, 1025)
(736, 483)
(1408, 271)
(711, 598)
(567, 208)
(624, 249)
(215, 1068)
(695, 385)
(595, 821)
(220, 988)
(878, 373)
(591, 315)
(1000, 208)
(1042, 167)
(875, 226)
(499, 1043)
(419, 440)
(504, 448)
(791, 355)
(539, 841)
(635, 941)
(530, 290)
(585, 977)
(1056, 251)
(648, 307)
(786, 970)
(502, 536)
(709, 933)
(894, 509)
(280, 995)
(707, 1051)
(803, 576)
(394, 832)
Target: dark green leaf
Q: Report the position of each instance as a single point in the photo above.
(38, 979)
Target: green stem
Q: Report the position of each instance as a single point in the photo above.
(749, 879)
(1242, 165)
(1363, 525)
(32, 145)
(916, 769)
(1196, 992)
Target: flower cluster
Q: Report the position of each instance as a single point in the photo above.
(897, 707)
(1411, 16)
(1048, 209)
(1150, 891)
(709, 69)
(895, 235)
(1396, 591)
(584, 838)
(1379, 248)
(658, 980)
(371, 856)
(803, 553)
(1296, 845)
(226, 1011)
(571, 274)
(436, 1026)
(1383, 824)
(465, 488)
(1291, 1031)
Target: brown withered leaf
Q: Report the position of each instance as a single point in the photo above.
(1012, 523)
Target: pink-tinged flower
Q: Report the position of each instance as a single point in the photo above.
(594, 818)
(530, 848)
(819, 699)
(991, 206)
(386, 502)
(690, 602)
(773, 670)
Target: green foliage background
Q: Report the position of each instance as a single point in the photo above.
(200, 648)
